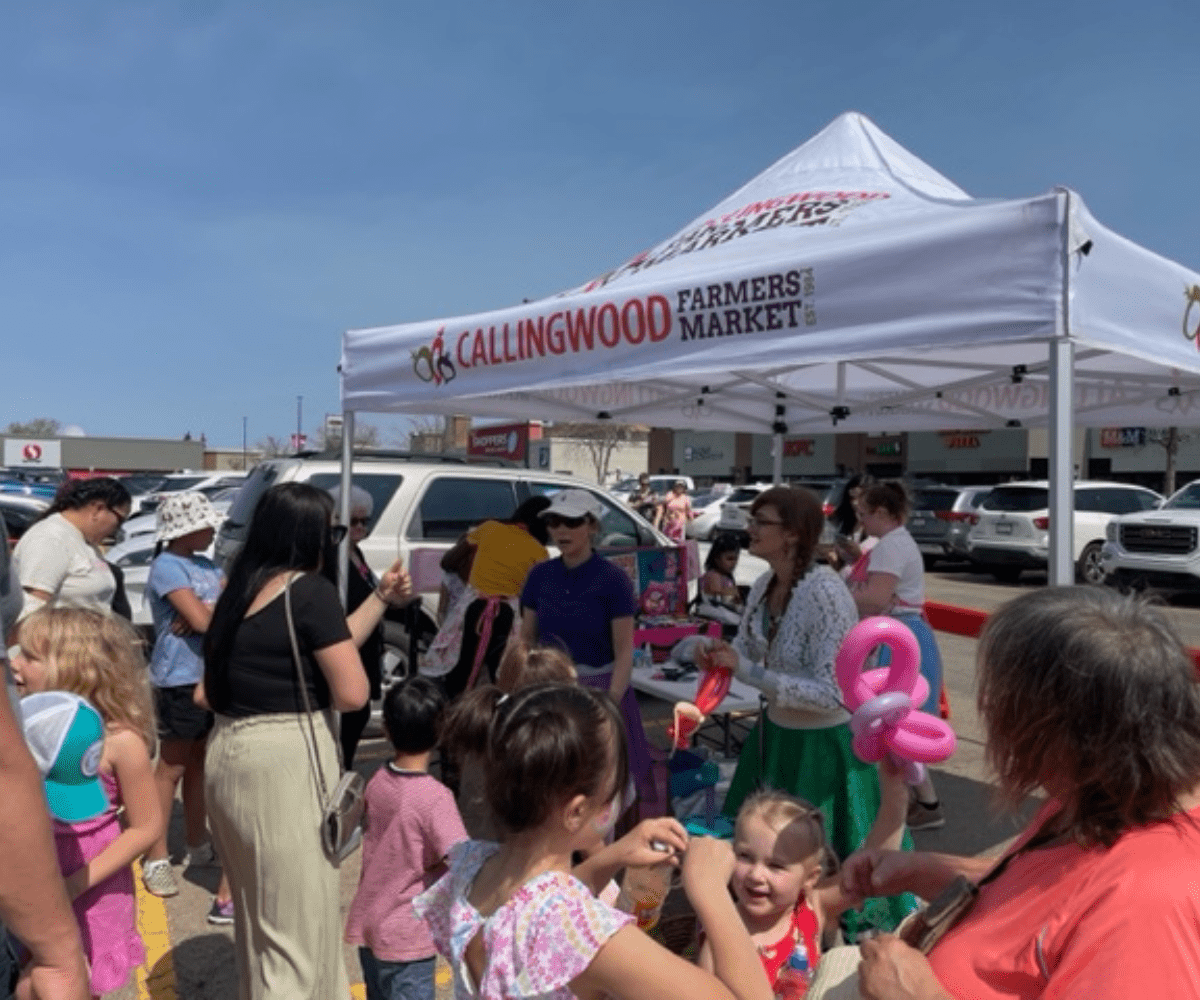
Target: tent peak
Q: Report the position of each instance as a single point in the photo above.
(852, 143)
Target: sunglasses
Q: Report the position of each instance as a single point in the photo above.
(359, 522)
(337, 533)
(558, 521)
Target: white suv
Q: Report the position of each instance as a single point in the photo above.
(426, 501)
(1010, 529)
(1157, 548)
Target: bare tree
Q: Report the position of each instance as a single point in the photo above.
(1169, 439)
(273, 447)
(597, 441)
(330, 439)
(37, 427)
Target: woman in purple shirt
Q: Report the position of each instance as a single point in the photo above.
(584, 604)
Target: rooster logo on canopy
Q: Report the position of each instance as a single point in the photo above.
(437, 364)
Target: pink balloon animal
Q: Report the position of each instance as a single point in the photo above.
(883, 701)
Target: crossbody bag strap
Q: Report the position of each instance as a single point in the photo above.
(312, 742)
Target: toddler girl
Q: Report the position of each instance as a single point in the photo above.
(97, 656)
(511, 918)
(780, 868)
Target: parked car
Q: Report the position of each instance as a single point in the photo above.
(735, 511)
(1009, 531)
(1156, 548)
(660, 484)
(426, 502)
(706, 506)
(207, 483)
(941, 519)
(19, 513)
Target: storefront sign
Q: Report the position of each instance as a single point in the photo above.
(30, 454)
(796, 447)
(1122, 437)
(508, 441)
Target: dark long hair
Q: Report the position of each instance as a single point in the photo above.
(541, 745)
(722, 545)
(800, 512)
(75, 494)
(288, 531)
(844, 517)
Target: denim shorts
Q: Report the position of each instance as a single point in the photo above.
(397, 980)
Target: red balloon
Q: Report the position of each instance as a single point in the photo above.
(712, 689)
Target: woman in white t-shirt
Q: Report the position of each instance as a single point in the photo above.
(894, 585)
(58, 559)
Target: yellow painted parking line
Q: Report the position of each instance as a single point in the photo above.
(156, 978)
(359, 991)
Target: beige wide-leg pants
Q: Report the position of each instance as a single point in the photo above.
(265, 811)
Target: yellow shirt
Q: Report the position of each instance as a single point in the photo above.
(504, 555)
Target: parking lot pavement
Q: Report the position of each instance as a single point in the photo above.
(198, 962)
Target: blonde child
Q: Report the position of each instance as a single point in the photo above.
(98, 657)
(512, 919)
(409, 826)
(781, 879)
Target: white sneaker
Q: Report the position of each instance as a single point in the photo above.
(203, 856)
(159, 879)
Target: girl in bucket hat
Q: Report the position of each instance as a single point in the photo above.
(183, 586)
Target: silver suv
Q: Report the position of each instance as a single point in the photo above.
(941, 519)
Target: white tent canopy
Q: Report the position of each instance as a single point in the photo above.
(848, 286)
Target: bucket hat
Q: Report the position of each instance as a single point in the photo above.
(182, 513)
(65, 734)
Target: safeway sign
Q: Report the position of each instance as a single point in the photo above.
(27, 453)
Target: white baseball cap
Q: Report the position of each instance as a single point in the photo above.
(574, 503)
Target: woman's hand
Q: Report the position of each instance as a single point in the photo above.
(891, 970)
(395, 586)
(718, 654)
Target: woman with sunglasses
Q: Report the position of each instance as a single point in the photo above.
(360, 584)
(797, 614)
(264, 802)
(58, 559)
(582, 603)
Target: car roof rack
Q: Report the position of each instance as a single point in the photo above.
(386, 455)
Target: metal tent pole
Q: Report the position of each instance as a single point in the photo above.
(777, 459)
(345, 503)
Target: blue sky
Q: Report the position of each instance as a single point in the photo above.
(196, 199)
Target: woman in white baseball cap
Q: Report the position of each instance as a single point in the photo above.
(584, 604)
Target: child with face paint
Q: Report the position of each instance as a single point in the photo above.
(514, 919)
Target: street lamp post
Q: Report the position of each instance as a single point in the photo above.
(244, 457)
(299, 422)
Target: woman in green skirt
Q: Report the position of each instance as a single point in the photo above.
(797, 614)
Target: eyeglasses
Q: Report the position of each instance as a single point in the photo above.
(359, 522)
(762, 522)
(121, 518)
(337, 533)
(558, 521)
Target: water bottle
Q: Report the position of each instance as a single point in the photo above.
(796, 975)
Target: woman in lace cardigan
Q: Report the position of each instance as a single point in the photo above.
(797, 614)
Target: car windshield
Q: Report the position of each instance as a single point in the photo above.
(1017, 499)
(1187, 498)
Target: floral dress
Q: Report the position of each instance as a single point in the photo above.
(543, 937)
(677, 511)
